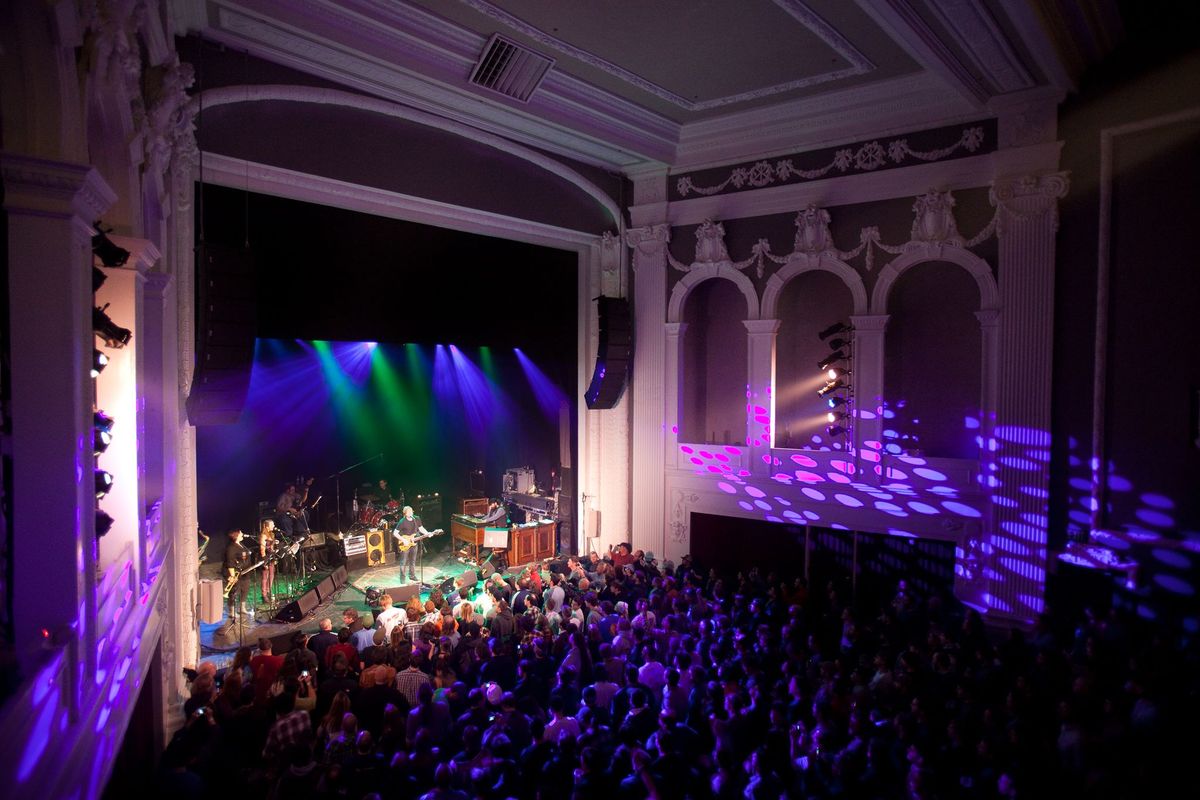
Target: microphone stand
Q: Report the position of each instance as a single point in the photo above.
(338, 477)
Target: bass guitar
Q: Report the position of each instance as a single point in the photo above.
(404, 543)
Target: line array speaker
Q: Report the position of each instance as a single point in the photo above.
(227, 322)
(613, 355)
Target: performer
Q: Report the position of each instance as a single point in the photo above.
(267, 545)
(409, 525)
(237, 559)
(289, 510)
(496, 516)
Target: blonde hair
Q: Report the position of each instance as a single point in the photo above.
(407, 510)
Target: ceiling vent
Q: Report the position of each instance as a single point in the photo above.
(509, 69)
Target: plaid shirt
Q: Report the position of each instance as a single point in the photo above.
(294, 728)
(412, 629)
(408, 683)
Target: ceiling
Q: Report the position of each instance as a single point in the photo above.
(640, 85)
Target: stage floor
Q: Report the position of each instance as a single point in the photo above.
(220, 640)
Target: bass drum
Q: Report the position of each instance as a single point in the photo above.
(369, 515)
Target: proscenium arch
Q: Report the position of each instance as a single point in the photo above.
(699, 274)
(228, 95)
(777, 282)
(989, 293)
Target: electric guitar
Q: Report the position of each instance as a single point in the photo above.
(404, 543)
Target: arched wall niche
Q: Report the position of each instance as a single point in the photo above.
(933, 364)
(704, 272)
(809, 302)
(714, 369)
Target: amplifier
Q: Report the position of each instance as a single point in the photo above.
(313, 540)
(354, 545)
(518, 479)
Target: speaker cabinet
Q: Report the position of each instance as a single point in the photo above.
(402, 594)
(613, 355)
(376, 548)
(300, 608)
(227, 322)
(325, 588)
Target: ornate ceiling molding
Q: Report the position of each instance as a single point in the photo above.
(796, 9)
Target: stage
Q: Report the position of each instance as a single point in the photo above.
(220, 640)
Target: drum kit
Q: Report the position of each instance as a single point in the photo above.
(376, 514)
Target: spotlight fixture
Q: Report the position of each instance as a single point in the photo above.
(112, 333)
(835, 401)
(837, 327)
(104, 482)
(102, 421)
(104, 523)
(98, 278)
(838, 344)
(837, 372)
(832, 386)
(836, 416)
(99, 362)
(110, 255)
(101, 439)
(829, 359)
(837, 430)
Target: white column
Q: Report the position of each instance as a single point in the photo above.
(181, 637)
(675, 376)
(867, 380)
(1027, 227)
(51, 206)
(760, 373)
(649, 368)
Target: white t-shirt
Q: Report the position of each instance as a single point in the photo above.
(391, 618)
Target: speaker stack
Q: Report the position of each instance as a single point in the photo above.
(376, 547)
(613, 355)
(227, 306)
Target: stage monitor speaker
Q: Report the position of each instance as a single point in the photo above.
(402, 594)
(487, 570)
(613, 355)
(227, 322)
(376, 547)
(325, 588)
(298, 609)
(281, 643)
(339, 577)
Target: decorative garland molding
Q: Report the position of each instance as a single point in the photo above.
(866, 157)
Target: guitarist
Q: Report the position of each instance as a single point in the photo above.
(409, 526)
(237, 559)
(289, 510)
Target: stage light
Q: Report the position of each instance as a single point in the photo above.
(835, 401)
(104, 482)
(112, 333)
(837, 372)
(829, 359)
(100, 441)
(109, 254)
(837, 327)
(837, 430)
(98, 278)
(836, 416)
(99, 362)
(838, 344)
(104, 523)
(832, 386)
(102, 421)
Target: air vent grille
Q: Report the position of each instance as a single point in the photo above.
(509, 69)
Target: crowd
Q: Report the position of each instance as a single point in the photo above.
(618, 678)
